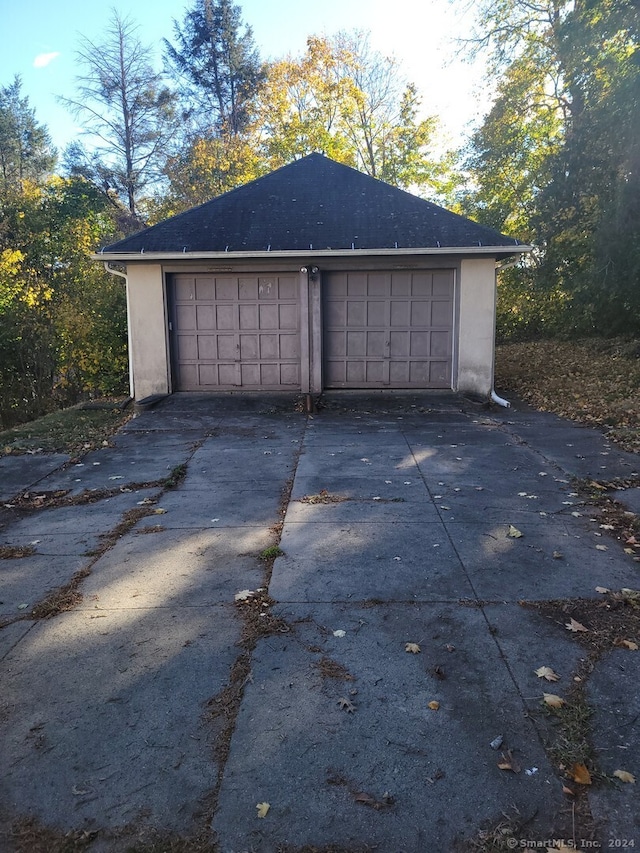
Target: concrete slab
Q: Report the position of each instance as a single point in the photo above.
(508, 569)
(257, 504)
(129, 460)
(612, 692)
(27, 581)
(436, 766)
(241, 460)
(103, 717)
(20, 473)
(174, 569)
(352, 561)
(630, 498)
(10, 636)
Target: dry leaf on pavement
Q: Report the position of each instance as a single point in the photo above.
(624, 776)
(263, 808)
(602, 589)
(413, 648)
(552, 700)
(514, 533)
(345, 705)
(627, 644)
(580, 774)
(434, 705)
(547, 673)
(508, 762)
(574, 626)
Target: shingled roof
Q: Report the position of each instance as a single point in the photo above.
(314, 205)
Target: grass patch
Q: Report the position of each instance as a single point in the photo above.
(594, 381)
(271, 553)
(176, 476)
(30, 836)
(70, 431)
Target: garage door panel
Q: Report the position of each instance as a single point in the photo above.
(187, 347)
(226, 317)
(356, 314)
(226, 289)
(288, 316)
(236, 331)
(186, 317)
(441, 313)
(389, 329)
(205, 317)
(204, 289)
(440, 344)
(420, 345)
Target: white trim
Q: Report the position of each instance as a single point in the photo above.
(151, 257)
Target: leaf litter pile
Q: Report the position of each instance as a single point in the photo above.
(594, 381)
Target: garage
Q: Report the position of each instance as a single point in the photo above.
(388, 329)
(235, 331)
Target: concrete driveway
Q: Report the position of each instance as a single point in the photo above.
(213, 613)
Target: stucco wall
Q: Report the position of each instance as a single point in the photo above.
(147, 330)
(476, 326)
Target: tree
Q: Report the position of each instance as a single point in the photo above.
(220, 64)
(557, 159)
(126, 108)
(351, 103)
(26, 152)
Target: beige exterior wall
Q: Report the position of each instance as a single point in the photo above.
(476, 327)
(148, 331)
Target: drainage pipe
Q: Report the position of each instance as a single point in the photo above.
(500, 400)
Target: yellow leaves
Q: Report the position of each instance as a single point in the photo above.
(574, 626)
(547, 673)
(514, 533)
(580, 774)
(412, 648)
(625, 776)
(263, 809)
(434, 705)
(552, 700)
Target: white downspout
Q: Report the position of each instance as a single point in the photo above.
(123, 275)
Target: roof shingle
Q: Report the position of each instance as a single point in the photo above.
(313, 204)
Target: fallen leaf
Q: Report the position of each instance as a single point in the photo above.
(413, 648)
(569, 791)
(547, 673)
(339, 633)
(628, 644)
(243, 595)
(574, 626)
(345, 705)
(632, 541)
(497, 742)
(159, 511)
(438, 671)
(580, 774)
(508, 762)
(601, 548)
(629, 551)
(558, 555)
(514, 533)
(262, 808)
(602, 589)
(624, 776)
(434, 705)
(576, 514)
(552, 700)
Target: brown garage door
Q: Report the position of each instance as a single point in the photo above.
(235, 331)
(388, 329)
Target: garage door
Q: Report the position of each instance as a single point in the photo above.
(388, 329)
(233, 331)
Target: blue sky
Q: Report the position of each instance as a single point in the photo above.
(41, 38)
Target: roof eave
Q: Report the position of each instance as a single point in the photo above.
(493, 251)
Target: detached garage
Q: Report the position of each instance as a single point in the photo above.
(314, 276)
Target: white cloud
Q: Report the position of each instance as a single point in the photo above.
(43, 59)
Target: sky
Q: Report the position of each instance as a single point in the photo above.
(40, 40)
